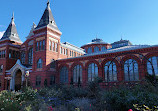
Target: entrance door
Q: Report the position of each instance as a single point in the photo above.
(18, 80)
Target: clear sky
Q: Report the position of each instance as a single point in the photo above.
(81, 20)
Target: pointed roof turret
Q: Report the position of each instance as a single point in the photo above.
(47, 18)
(31, 31)
(11, 32)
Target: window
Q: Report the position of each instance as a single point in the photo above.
(4, 52)
(66, 52)
(50, 45)
(64, 75)
(43, 45)
(89, 50)
(0, 54)
(70, 53)
(13, 53)
(53, 48)
(38, 80)
(16, 54)
(96, 49)
(36, 46)
(131, 70)
(92, 71)
(52, 80)
(53, 63)
(23, 57)
(77, 73)
(1, 68)
(10, 53)
(56, 47)
(40, 45)
(103, 49)
(61, 50)
(110, 71)
(30, 56)
(39, 63)
(74, 54)
(153, 61)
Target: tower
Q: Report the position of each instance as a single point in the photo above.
(9, 50)
(46, 45)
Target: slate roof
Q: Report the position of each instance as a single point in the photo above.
(72, 47)
(96, 41)
(11, 33)
(122, 41)
(31, 31)
(121, 49)
(47, 19)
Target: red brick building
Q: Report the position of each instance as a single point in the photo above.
(48, 61)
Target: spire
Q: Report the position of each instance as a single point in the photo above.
(13, 17)
(47, 18)
(48, 4)
(11, 32)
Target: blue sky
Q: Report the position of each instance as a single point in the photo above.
(81, 20)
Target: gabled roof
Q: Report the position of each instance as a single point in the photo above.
(11, 32)
(47, 18)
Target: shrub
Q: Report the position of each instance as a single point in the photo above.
(83, 104)
(8, 101)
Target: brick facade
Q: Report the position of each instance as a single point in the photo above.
(46, 35)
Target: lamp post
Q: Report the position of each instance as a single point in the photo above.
(26, 76)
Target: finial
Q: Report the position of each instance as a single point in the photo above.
(96, 36)
(34, 25)
(121, 37)
(12, 18)
(48, 4)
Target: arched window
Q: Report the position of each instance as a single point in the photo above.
(23, 57)
(103, 49)
(53, 63)
(153, 61)
(1, 68)
(39, 63)
(89, 50)
(38, 80)
(77, 72)
(131, 70)
(64, 75)
(92, 71)
(110, 71)
(96, 49)
(52, 80)
(30, 56)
